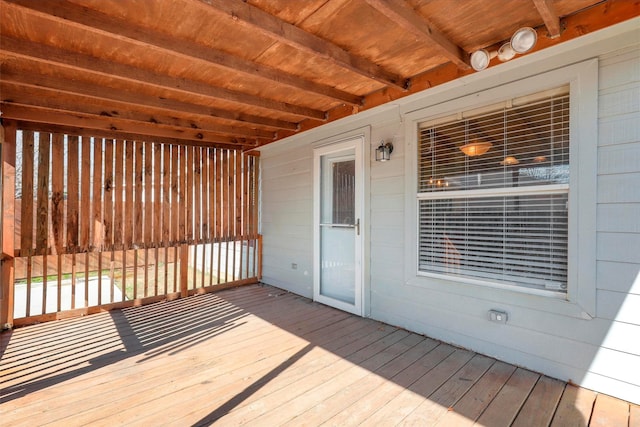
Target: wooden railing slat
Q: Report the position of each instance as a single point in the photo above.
(108, 189)
(173, 213)
(118, 177)
(57, 194)
(73, 168)
(99, 228)
(138, 224)
(148, 193)
(85, 199)
(27, 204)
(129, 177)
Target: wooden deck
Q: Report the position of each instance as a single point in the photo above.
(260, 356)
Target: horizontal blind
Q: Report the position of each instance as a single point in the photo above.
(514, 236)
(528, 145)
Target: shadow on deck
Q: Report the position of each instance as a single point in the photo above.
(261, 356)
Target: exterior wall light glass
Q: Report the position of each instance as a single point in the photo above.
(383, 152)
(524, 39)
(480, 59)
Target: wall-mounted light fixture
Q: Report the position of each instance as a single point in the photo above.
(522, 41)
(383, 152)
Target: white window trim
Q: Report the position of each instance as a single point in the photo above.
(580, 300)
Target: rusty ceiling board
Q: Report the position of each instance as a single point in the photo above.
(98, 22)
(549, 16)
(241, 13)
(84, 63)
(398, 12)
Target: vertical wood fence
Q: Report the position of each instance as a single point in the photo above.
(105, 223)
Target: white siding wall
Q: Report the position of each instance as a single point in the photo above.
(602, 353)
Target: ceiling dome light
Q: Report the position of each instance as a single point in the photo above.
(506, 52)
(509, 161)
(524, 40)
(480, 59)
(476, 148)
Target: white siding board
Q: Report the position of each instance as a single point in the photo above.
(620, 188)
(388, 185)
(619, 306)
(619, 70)
(622, 247)
(620, 129)
(619, 158)
(619, 277)
(387, 236)
(387, 202)
(579, 355)
(621, 100)
(385, 218)
(619, 217)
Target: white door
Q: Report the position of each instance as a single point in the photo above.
(338, 201)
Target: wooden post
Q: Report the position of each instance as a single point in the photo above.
(8, 163)
(184, 271)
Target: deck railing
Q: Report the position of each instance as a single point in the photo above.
(101, 223)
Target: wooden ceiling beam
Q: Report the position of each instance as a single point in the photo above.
(97, 133)
(69, 103)
(79, 62)
(242, 13)
(30, 113)
(401, 14)
(550, 17)
(137, 101)
(90, 20)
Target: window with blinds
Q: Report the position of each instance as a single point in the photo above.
(493, 186)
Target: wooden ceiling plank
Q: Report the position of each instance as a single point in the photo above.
(84, 63)
(550, 17)
(55, 100)
(242, 13)
(94, 21)
(98, 133)
(78, 87)
(89, 121)
(400, 13)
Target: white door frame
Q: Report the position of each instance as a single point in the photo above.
(355, 143)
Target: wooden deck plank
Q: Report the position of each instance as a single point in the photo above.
(575, 407)
(437, 405)
(506, 405)
(132, 362)
(262, 356)
(350, 395)
(274, 350)
(467, 410)
(291, 412)
(367, 404)
(254, 410)
(634, 416)
(541, 404)
(297, 367)
(409, 399)
(609, 412)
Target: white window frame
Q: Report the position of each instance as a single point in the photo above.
(580, 299)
